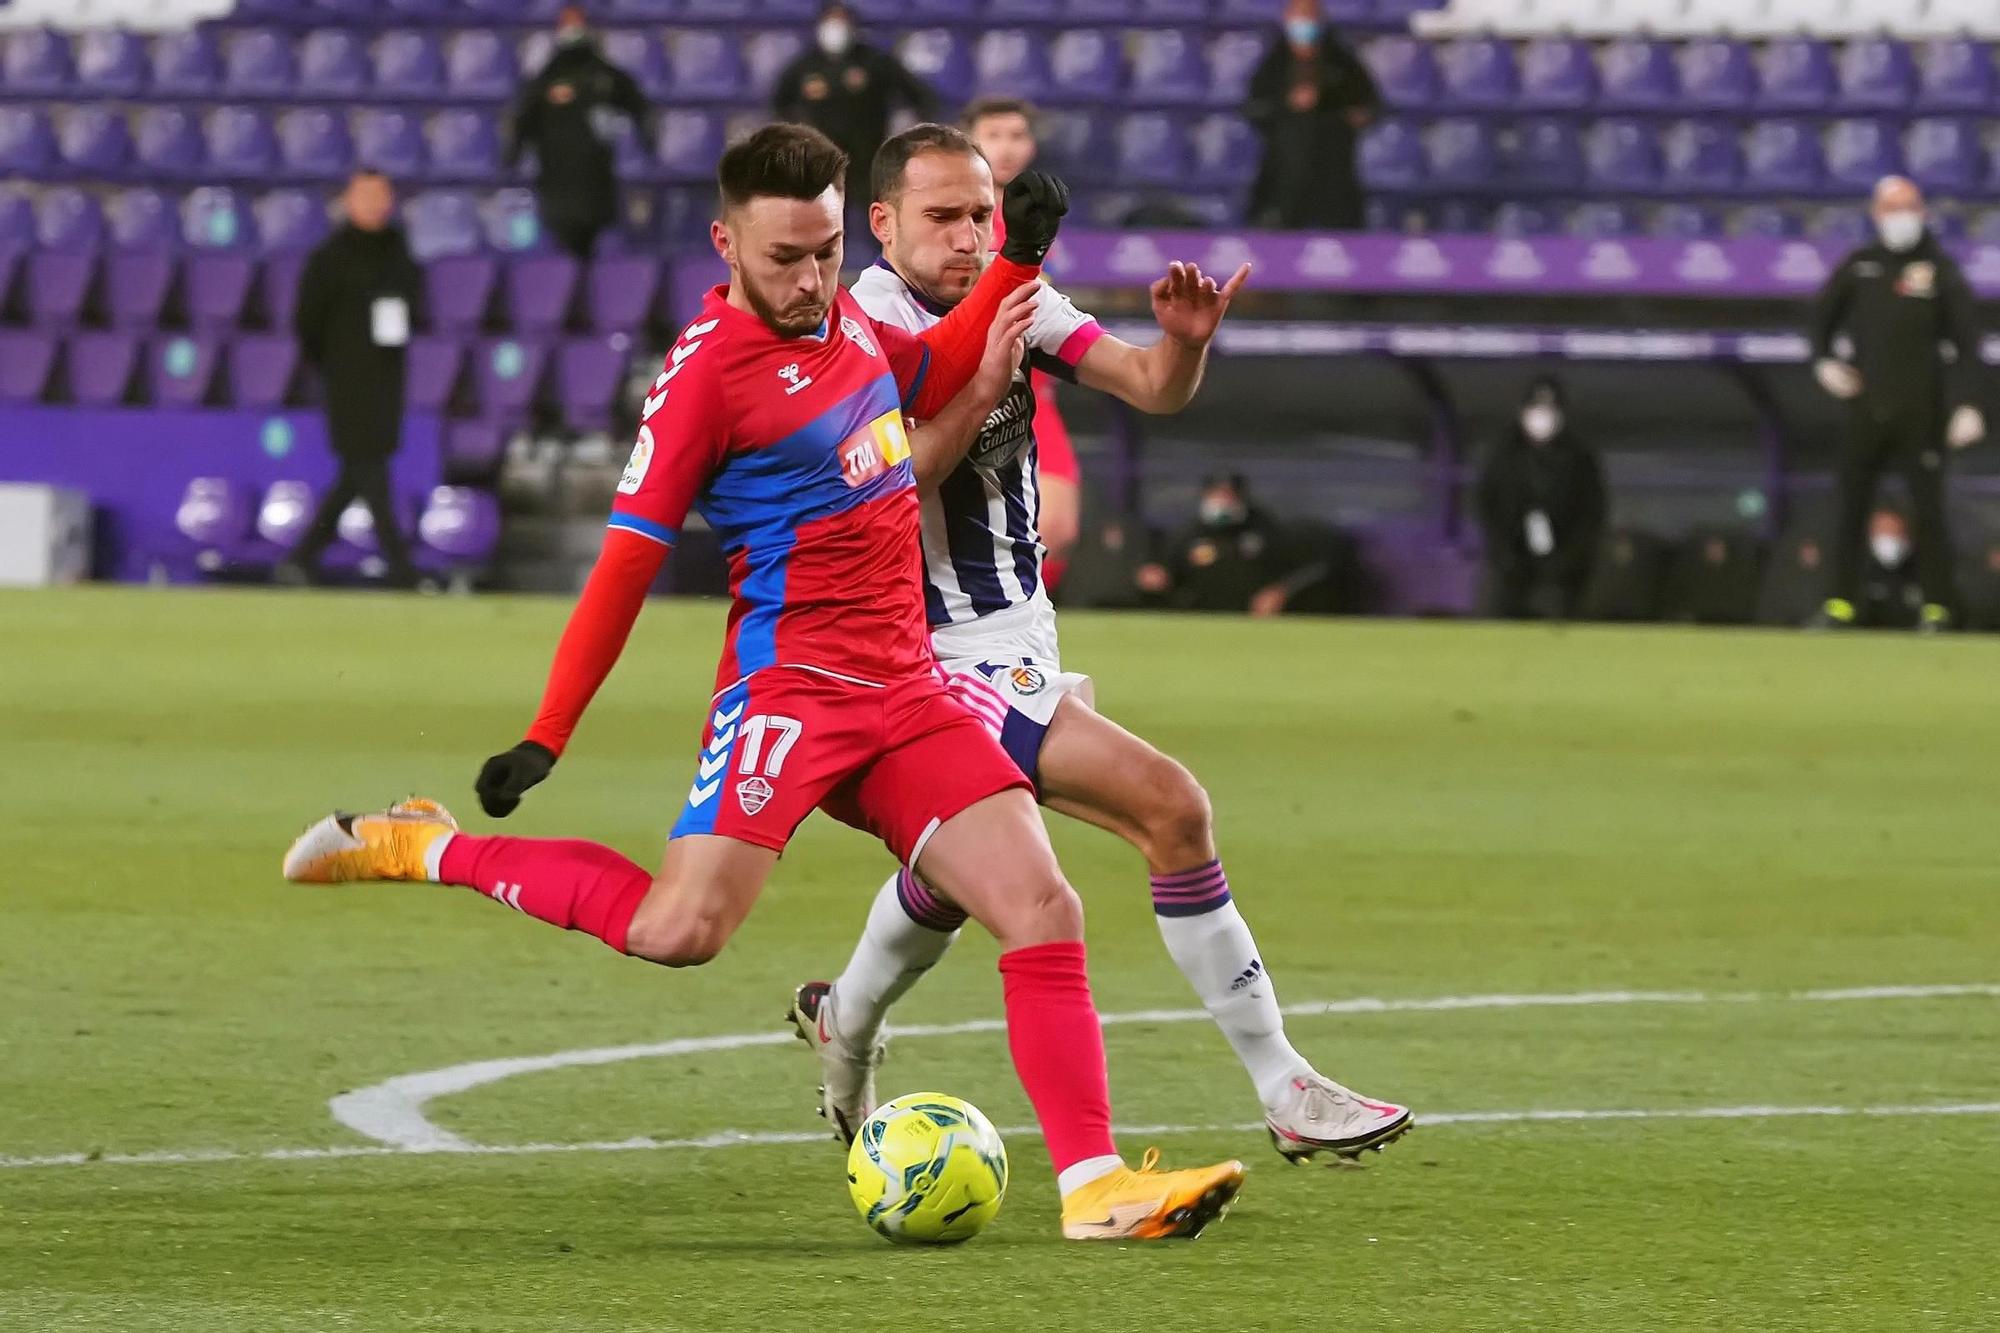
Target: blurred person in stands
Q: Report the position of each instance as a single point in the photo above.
(358, 299)
(1309, 99)
(1900, 302)
(568, 113)
(1004, 129)
(1233, 557)
(1543, 506)
(847, 90)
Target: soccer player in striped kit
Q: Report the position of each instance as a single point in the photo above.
(994, 632)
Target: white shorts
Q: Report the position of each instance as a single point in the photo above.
(1004, 668)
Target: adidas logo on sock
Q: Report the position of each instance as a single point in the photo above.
(1249, 975)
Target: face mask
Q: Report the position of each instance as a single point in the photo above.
(1888, 548)
(1221, 513)
(834, 36)
(1900, 231)
(576, 36)
(1302, 32)
(1541, 422)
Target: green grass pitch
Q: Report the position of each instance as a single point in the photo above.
(1407, 811)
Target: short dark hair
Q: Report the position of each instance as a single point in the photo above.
(892, 159)
(781, 161)
(986, 108)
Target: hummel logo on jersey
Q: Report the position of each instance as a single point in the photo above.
(790, 375)
(857, 335)
(1249, 975)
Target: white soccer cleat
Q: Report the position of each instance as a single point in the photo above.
(1319, 1115)
(847, 1075)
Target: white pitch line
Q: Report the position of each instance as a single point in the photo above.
(734, 1139)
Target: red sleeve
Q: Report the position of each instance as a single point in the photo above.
(933, 366)
(679, 448)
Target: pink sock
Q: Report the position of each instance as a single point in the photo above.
(566, 882)
(1058, 1048)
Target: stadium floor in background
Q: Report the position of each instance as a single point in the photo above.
(1408, 811)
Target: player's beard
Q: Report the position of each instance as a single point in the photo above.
(951, 283)
(792, 321)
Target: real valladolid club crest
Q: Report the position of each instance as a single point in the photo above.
(1027, 680)
(753, 793)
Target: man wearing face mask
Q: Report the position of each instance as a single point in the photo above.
(847, 90)
(1899, 302)
(569, 114)
(1310, 99)
(1234, 557)
(1542, 504)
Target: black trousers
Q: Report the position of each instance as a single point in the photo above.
(365, 479)
(1510, 589)
(1913, 443)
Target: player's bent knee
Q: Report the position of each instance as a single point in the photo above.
(1179, 821)
(687, 941)
(1051, 912)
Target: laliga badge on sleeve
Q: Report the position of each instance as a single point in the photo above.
(389, 321)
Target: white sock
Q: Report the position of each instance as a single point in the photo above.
(1211, 944)
(909, 928)
(1078, 1174)
(434, 856)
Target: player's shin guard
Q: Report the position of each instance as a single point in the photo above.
(1211, 944)
(1057, 1042)
(909, 928)
(566, 882)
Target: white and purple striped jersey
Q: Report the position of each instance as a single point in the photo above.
(982, 544)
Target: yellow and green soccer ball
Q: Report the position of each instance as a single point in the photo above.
(927, 1169)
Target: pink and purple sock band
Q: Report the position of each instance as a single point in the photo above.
(1191, 892)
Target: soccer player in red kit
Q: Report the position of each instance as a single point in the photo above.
(780, 416)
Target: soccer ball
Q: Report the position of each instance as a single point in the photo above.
(927, 1169)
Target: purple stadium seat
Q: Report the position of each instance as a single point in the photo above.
(290, 220)
(458, 288)
(95, 142)
(142, 219)
(1557, 73)
(1783, 156)
(619, 290)
(135, 287)
(278, 287)
(513, 221)
(1404, 71)
(1011, 62)
(539, 291)
(639, 54)
(1703, 157)
(1232, 59)
(643, 11)
(1622, 156)
(169, 143)
(1945, 155)
(185, 64)
(59, 283)
(214, 218)
(509, 374)
(536, 48)
(111, 62)
(1768, 221)
(1153, 150)
(1637, 74)
(313, 144)
(1685, 222)
(26, 358)
(217, 283)
(478, 64)
(1984, 227)
(1545, 155)
(214, 514)
(1795, 74)
(688, 143)
(1392, 156)
(1877, 74)
(463, 146)
(1261, 11)
(442, 223)
(1849, 228)
(69, 219)
(473, 448)
(391, 142)
(1956, 75)
(1716, 75)
(433, 369)
(285, 511)
(1479, 72)
(1156, 11)
(1023, 11)
(1077, 143)
(1103, 11)
(241, 144)
(1603, 218)
(37, 61)
(408, 66)
(737, 9)
(1168, 68)
(17, 219)
(101, 367)
(28, 146)
(460, 524)
(419, 11)
(262, 368)
(251, 11)
(1515, 218)
(182, 370)
(940, 57)
(1226, 150)
(766, 54)
(708, 67)
(1086, 65)
(1861, 152)
(1463, 152)
(346, 11)
(259, 64)
(356, 527)
(589, 373)
(333, 62)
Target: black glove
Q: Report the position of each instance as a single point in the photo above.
(504, 777)
(1033, 208)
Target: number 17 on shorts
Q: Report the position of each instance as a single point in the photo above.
(740, 787)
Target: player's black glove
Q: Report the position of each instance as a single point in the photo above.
(1033, 208)
(504, 777)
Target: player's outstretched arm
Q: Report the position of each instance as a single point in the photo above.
(1164, 378)
(940, 444)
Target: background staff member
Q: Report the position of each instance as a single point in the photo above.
(1543, 507)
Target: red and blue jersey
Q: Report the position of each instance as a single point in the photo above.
(793, 450)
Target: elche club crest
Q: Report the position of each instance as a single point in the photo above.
(753, 794)
(851, 327)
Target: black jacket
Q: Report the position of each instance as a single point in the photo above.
(560, 113)
(1220, 567)
(1899, 309)
(849, 97)
(1307, 177)
(334, 323)
(1562, 479)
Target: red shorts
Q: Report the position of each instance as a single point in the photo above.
(894, 760)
